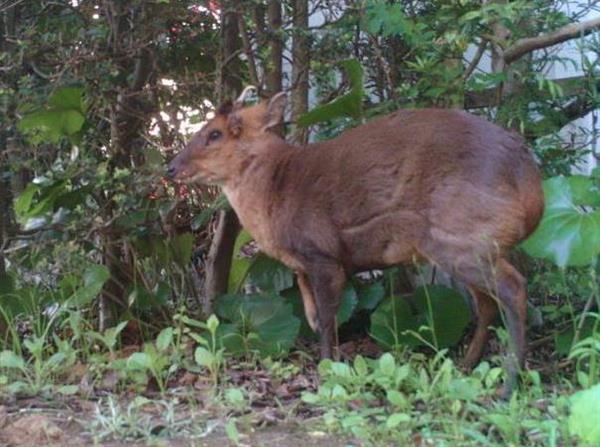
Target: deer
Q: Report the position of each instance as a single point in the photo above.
(436, 185)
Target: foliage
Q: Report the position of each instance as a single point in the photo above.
(384, 401)
(85, 215)
(348, 105)
(258, 323)
(209, 355)
(569, 233)
(435, 316)
(583, 420)
(64, 116)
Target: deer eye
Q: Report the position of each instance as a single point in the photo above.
(214, 135)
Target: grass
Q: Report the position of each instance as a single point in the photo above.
(403, 399)
(184, 388)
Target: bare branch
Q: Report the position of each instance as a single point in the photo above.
(523, 46)
(475, 62)
(578, 108)
(252, 70)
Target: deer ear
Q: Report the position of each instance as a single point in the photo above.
(275, 111)
(234, 124)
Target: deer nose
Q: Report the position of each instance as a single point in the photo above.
(171, 171)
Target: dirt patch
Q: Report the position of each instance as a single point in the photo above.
(36, 430)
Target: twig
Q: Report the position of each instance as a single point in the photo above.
(475, 62)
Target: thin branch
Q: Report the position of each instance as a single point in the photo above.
(230, 58)
(475, 62)
(524, 46)
(578, 108)
(252, 70)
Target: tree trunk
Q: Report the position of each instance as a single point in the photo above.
(8, 23)
(274, 73)
(128, 115)
(229, 79)
(218, 262)
(300, 69)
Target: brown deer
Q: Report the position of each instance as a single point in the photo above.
(432, 184)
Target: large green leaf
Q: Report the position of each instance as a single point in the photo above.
(68, 98)
(93, 280)
(585, 410)
(394, 322)
(270, 275)
(563, 340)
(348, 303)
(348, 105)
(23, 202)
(370, 295)
(63, 116)
(387, 19)
(261, 323)
(239, 265)
(266, 273)
(569, 233)
(182, 246)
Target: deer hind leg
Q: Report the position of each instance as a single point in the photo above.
(503, 282)
(496, 277)
(512, 294)
(310, 307)
(487, 310)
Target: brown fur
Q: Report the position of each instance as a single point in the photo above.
(434, 184)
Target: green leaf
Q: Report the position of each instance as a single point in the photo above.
(212, 324)
(139, 360)
(347, 305)
(563, 340)
(348, 105)
(8, 359)
(262, 323)
(569, 233)
(204, 357)
(466, 389)
(232, 432)
(68, 390)
(23, 202)
(239, 265)
(583, 421)
(94, 279)
(63, 116)
(164, 339)
(396, 398)
(53, 123)
(182, 246)
(270, 275)
(370, 295)
(387, 364)
(396, 419)
(387, 19)
(394, 322)
(310, 398)
(360, 365)
(68, 98)
(235, 397)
